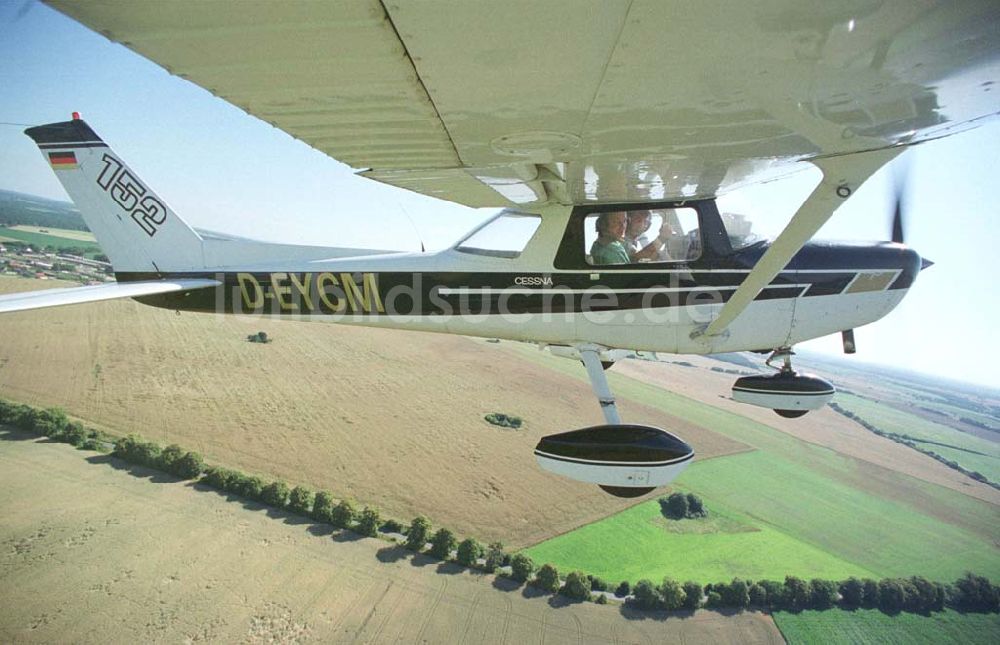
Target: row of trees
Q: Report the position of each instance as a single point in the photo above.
(172, 459)
(469, 552)
(442, 543)
(53, 423)
(891, 595)
(300, 500)
(916, 594)
(319, 506)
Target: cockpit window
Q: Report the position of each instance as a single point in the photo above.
(504, 236)
(639, 236)
(739, 228)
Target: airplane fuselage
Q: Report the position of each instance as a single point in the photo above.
(825, 289)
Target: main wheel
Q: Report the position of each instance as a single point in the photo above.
(625, 491)
(790, 414)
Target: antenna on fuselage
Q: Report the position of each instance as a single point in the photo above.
(414, 225)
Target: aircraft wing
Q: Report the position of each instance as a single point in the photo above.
(575, 101)
(95, 293)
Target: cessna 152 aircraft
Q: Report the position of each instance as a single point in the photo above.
(590, 123)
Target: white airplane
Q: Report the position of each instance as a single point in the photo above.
(604, 129)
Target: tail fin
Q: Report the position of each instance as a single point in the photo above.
(135, 228)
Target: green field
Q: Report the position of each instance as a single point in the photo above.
(69, 234)
(872, 626)
(42, 240)
(957, 413)
(726, 545)
(801, 497)
(972, 452)
(791, 520)
(883, 536)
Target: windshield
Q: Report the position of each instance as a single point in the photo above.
(505, 236)
(740, 230)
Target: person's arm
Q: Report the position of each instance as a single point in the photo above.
(652, 250)
(649, 251)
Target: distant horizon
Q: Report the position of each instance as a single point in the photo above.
(901, 371)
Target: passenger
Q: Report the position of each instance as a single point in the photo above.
(638, 244)
(609, 248)
(635, 233)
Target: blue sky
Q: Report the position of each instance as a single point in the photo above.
(224, 170)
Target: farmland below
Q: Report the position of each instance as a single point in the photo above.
(396, 420)
(884, 511)
(76, 240)
(729, 544)
(973, 452)
(32, 210)
(781, 518)
(387, 418)
(93, 553)
(870, 626)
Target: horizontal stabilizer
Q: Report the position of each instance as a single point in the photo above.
(95, 293)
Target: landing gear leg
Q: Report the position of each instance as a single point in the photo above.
(591, 357)
(785, 354)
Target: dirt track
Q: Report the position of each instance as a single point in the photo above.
(92, 553)
(386, 417)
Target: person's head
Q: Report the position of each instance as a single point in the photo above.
(611, 225)
(638, 223)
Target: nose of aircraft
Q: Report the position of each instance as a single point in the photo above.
(908, 260)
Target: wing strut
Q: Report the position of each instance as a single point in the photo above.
(842, 175)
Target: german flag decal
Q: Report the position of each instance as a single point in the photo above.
(62, 160)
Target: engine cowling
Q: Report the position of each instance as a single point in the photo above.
(790, 394)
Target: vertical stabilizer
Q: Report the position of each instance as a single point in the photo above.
(135, 228)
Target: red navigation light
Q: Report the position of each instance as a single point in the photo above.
(76, 116)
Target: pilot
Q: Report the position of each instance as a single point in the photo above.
(609, 247)
(638, 244)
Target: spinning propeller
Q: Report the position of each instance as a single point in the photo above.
(900, 174)
(898, 216)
